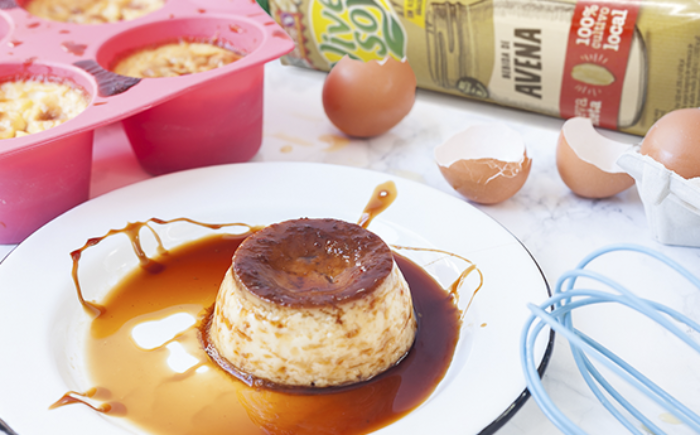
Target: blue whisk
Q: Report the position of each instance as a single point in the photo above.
(556, 313)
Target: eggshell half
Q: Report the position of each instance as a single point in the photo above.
(586, 161)
(486, 163)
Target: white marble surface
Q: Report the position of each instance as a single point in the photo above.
(557, 227)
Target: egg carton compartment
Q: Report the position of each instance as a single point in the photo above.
(671, 202)
(173, 123)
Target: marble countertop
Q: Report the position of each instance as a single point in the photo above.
(555, 225)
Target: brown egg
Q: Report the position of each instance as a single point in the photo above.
(674, 141)
(586, 161)
(367, 99)
(486, 163)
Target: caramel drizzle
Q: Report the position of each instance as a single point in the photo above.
(453, 289)
(382, 197)
(73, 397)
(133, 231)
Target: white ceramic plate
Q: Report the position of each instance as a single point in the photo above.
(41, 321)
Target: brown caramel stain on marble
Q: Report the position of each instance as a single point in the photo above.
(293, 139)
(335, 142)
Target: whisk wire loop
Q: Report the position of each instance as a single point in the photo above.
(556, 313)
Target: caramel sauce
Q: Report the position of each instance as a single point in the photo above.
(335, 142)
(114, 409)
(138, 383)
(50, 114)
(457, 283)
(293, 139)
(133, 232)
(206, 400)
(382, 197)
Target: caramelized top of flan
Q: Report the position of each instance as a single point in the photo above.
(312, 262)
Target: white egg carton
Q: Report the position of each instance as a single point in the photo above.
(671, 202)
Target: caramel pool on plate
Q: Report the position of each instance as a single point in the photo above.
(173, 388)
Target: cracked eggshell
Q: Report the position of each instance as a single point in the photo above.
(486, 163)
(586, 161)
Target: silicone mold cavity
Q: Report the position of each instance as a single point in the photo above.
(172, 123)
(242, 36)
(220, 122)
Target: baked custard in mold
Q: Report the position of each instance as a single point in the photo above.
(34, 105)
(175, 59)
(92, 11)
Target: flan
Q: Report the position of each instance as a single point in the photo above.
(312, 303)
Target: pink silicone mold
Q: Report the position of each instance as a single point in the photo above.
(173, 123)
